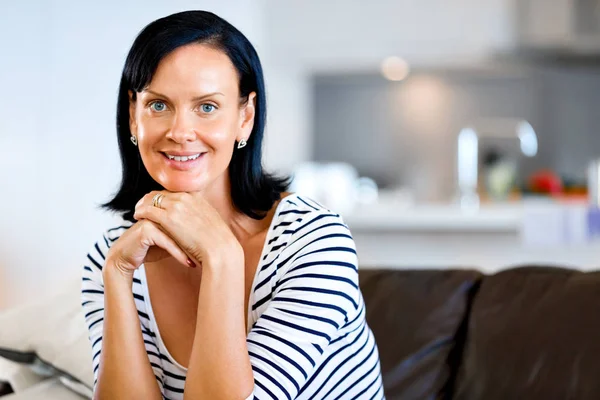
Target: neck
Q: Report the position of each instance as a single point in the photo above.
(218, 195)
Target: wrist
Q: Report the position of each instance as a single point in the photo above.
(227, 255)
(223, 259)
(114, 272)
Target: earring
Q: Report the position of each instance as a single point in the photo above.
(241, 144)
(134, 140)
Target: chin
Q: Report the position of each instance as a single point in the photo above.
(182, 186)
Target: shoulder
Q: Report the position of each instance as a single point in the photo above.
(319, 259)
(300, 213)
(318, 238)
(309, 221)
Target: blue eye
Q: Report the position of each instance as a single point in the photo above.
(158, 106)
(208, 108)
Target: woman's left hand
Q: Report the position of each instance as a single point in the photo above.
(193, 223)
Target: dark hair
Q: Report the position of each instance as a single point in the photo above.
(253, 190)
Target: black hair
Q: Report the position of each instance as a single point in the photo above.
(253, 190)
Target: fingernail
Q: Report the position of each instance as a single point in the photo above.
(191, 263)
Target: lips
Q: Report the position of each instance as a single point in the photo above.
(182, 157)
(179, 164)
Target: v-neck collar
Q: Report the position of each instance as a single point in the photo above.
(147, 302)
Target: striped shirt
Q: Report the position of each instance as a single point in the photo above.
(308, 337)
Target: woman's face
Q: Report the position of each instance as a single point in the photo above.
(189, 117)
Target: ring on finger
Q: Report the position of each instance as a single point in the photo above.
(157, 200)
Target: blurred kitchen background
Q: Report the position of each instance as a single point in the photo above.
(447, 134)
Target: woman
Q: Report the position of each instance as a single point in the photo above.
(218, 284)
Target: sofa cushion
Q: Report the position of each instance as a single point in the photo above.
(50, 389)
(415, 317)
(48, 337)
(533, 334)
(15, 376)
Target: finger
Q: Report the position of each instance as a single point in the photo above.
(170, 199)
(157, 237)
(147, 199)
(159, 218)
(154, 214)
(144, 200)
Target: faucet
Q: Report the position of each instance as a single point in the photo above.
(468, 152)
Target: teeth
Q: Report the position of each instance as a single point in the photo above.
(183, 158)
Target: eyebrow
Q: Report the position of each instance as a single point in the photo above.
(197, 98)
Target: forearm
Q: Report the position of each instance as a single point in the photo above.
(125, 371)
(219, 365)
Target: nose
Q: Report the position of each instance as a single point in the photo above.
(182, 129)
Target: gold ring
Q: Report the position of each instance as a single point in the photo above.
(157, 200)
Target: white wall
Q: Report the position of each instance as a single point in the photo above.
(60, 66)
(342, 34)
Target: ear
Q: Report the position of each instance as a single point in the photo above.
(247, 113)
(132, 119)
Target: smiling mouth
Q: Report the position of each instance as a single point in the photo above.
(191, 157)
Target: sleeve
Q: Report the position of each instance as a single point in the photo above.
(92, 301)
(316, 295)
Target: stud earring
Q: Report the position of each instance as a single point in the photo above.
(134, 140)
(241, 144)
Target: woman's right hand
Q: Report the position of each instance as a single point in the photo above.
(143, 242)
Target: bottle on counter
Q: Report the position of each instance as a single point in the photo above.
(500, 174)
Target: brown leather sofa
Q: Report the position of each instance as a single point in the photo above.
(529, 333)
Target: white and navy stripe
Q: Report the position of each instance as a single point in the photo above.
(308, 337)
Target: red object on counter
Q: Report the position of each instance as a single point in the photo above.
(545, 181)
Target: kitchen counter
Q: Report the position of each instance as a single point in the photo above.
(495, 237)
(447, 218)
